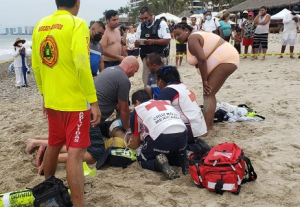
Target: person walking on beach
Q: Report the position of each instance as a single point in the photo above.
(19, 54)
(155, 35)
(111, 40)
(61, 65)
(262, 22)
(289, 34)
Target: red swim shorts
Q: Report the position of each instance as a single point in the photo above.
(248, 41)
(69, 128)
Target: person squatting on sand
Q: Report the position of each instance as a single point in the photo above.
(111, 40)
(63, 75)
(214, 57)
(184, 101)
(157, 125)
(154, 62)
(113, 86)
(19, 54)
(157, 35)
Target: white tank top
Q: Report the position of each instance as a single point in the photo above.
(158, 117)
(262, 29)
(189, 110)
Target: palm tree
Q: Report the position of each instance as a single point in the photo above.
(121, 11)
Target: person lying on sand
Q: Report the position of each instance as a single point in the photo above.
(94, 151)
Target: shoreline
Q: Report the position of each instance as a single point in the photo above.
(6, 61)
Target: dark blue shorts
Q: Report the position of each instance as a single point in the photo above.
(172, 145)
(135, 52)
(111, 63)
(96, 149)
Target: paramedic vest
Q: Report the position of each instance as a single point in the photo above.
(151, 33)
(189, 110)
(157, 116)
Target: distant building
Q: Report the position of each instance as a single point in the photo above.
(11, 30)
(19, 30)
(196, 5)
(15, 30)
(133, 3)
(29, 30)
(7, 31)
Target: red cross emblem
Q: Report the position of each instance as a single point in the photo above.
(160, 105)
(192, 96)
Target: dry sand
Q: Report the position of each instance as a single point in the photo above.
(271, 87)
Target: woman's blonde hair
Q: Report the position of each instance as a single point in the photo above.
(225, 15)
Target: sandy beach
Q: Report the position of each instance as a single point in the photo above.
(270, 87)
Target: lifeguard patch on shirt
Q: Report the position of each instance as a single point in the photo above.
(49, 51)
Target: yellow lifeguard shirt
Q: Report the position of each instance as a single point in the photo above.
(61, 63)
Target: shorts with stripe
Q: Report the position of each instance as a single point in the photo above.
(260, 39)
(69, 128)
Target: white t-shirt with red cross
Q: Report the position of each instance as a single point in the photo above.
(154, 118)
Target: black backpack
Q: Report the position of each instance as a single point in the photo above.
(51, 193)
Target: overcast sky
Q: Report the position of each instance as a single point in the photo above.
(14, 13)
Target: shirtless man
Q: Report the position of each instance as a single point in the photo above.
(111, 40)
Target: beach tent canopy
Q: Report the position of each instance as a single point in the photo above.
(200, 11)
(250, 5)
(281, 14)
(169, 17)
(197, 16)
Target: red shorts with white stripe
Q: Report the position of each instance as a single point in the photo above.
(69, 128)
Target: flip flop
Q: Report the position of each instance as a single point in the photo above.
(41, 170)
(40, 155)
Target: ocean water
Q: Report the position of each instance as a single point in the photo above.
(6, 44)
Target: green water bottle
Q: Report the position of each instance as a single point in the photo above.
(22, 198)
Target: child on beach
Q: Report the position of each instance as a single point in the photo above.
(238, 40)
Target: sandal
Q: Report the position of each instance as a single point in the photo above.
(40, 155)
(41, 170)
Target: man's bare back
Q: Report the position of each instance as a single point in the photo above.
(111, 43)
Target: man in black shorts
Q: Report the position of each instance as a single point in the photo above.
(180, 48)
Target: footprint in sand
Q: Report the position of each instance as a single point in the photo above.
(295, 146)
